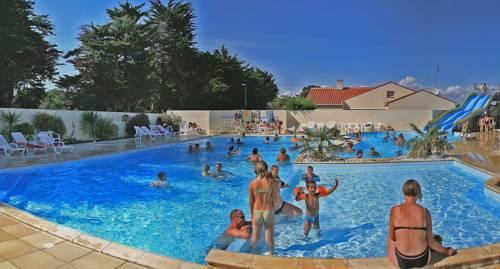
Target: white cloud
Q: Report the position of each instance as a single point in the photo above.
(289, 93)
(410, 82)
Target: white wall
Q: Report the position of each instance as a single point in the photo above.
(422, 100)
(376, 98)
(398, 119)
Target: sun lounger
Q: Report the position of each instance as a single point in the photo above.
(48, 141)
(150, 133)
(166, 131)
(21, 141)
(9, 148)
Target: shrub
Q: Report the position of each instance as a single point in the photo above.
(27, 129)
(171, 119)
(137, 120)
(9, 119)
(88, 122)
(46, 122)
(106, 129)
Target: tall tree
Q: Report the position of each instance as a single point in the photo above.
(27, 60)
(172, 53)
(112, 62)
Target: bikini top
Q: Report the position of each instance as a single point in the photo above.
(269, 189)
(413, 228)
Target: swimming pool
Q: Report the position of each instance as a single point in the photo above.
(386, 149)
(110, 197)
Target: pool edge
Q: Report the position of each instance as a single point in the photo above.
(96, 244)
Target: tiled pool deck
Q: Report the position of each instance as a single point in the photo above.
(27, 241)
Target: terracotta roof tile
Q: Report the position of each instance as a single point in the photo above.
(332, 96)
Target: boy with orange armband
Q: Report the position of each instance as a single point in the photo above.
(312, 203)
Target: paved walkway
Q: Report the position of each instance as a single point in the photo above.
(86, 150)
(482, 151)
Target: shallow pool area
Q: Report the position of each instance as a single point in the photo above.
(110, 197)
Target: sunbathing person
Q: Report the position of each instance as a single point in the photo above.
(312, 204)
(254, 157)
(239, 227)
(283, 157)
(373, 152)
(209, 146)
(310, 175)
(248, 126)
(359, 154)
(232, 151)
(161, 182)
(411, 242)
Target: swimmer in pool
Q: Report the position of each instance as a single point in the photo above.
(209, 146)
(205, 170)
(254, 157)
(373, 152)
(283, 157)
(312, 204)
(161, 182)
(310, 175)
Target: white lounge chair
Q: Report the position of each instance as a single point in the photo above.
(48, 141)
(150, 133)
(9, 148)
(166, 131)
(31, 148)
(138, 132)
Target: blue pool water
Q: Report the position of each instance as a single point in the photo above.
(110, 197)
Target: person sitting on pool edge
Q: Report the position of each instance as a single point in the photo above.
(283, 157)
(359, 154)
(312, 203)
(254, 157)
(161, 181)
(411, 242)
(373, 152)
(310, 175)
(239, 227)
(232, 151)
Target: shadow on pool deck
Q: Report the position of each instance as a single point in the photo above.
(87, 150)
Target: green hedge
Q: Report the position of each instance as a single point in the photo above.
(137, 120)
(46, 122)
(106, 129)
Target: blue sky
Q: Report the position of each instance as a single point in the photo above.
(364, 42)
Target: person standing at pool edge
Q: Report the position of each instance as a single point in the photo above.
(410, 238)
(261, 205)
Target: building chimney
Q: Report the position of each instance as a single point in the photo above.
(340, 84)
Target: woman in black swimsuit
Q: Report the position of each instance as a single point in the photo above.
(410, 231)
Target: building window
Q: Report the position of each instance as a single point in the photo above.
(390, 94)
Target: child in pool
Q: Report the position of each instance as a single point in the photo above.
(312, 203)
(161, 181)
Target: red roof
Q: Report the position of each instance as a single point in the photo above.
(332, 96)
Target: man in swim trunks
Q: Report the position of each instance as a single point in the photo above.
(283, 157)
(254, 157)
(312, 203)
(239, 227)
(310, 175)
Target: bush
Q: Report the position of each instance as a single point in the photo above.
(137, 120)
(27, 129)
(46, 122)
(170, 119)
(106, 129)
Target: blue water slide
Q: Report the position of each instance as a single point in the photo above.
(478, 102)
(446, 118)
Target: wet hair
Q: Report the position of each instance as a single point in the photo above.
(267, 137)
(255, 151)
(274, 166)
(231, 148)
(310, 182)
(218, 164)
(360, 151)
(162, 175)
(205, 167)
(412, 188)
(261, 169)
(283, 150)
(310, 167)
(233, 212)
(372, 148)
